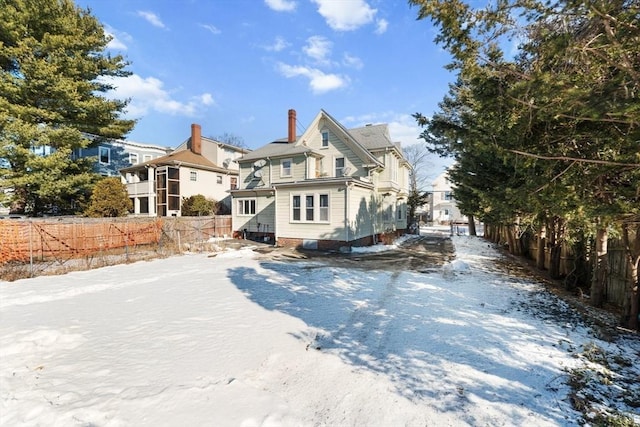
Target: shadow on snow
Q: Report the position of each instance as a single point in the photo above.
(417, 332)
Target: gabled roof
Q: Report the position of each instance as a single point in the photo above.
(180, 158)
(360, 150)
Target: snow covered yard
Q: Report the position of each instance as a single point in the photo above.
(244, 340)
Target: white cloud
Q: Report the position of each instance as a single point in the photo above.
(319, 82)
(278, 45)
(352, 61)
(318, 48)
(345, 15)
(207, 99)
(149, 95)
(381, 26)
(281, 5)
(152, 18)
(211, 28)
(115, 43)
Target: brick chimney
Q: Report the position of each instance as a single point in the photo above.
(196, 139)
(292, 126)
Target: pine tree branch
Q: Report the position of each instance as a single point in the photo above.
(574, 159)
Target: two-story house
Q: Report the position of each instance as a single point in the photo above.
(327, 188)
(199, 165)
(444, 209)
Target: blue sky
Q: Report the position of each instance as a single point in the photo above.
(238, 66)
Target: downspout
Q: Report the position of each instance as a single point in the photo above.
(346, 211)
(275, 216)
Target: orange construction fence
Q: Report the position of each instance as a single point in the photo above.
(24, 240)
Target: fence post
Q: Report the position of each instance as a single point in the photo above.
(30, 248)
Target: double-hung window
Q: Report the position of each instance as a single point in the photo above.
(310, 208)
(339, 166)
(325, 139)
(295, 208)
(285, 167)
(246, 206)
(133, 158)
(323, 206)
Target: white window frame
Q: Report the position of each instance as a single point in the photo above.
(335, 166)
(323, 211)
(193, 175)
(286, 172)
(243, 204)
(319, 214)
(218, 179)
(325, 139)
(133, 158)
(146, 157)
(107, 150)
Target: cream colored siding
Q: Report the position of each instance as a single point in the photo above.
(362, 213)
(206, 183)
(249, 180)
(298, 172)
(337, 148)
(265, 215)
(332, 230)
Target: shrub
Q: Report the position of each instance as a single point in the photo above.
(109, 199)
(197, 205)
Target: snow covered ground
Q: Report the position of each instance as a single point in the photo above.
(242, 340)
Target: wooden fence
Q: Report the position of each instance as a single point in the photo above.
(61, 239)
(618, 272)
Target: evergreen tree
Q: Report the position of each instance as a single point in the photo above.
(52, 69)
(109, 199)
(562, 117)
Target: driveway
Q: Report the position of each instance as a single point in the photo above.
(423, 254)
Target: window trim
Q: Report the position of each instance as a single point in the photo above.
(323, 140)
(133, 158)
(282, 168)
(335, 166)
(316, 209)
(252, 204)
(219, 180)
(108, 151)
(193, 176)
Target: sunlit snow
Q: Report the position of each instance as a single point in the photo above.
(239, 340)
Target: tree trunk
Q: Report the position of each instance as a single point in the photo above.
(542, 241)
(600, 269)
(472, 226)
(511, 239)
(554, 261)
(632, 300)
